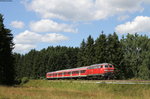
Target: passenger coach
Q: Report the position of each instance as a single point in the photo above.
(96, 71)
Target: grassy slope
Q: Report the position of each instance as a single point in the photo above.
(43, 89)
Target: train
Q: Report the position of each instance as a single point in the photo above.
(95, 71)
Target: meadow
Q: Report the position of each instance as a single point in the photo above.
(47, 89)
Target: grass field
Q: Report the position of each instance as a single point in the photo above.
(44, 89)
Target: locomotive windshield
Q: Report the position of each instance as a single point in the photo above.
(106, 66)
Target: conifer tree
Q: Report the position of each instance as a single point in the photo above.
(101, 49)
(81, 54)
(89, 51)
(6, 57)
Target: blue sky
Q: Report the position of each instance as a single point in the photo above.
(37, 24)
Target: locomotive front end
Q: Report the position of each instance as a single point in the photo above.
(108, 71)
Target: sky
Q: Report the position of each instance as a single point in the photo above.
(37, 24)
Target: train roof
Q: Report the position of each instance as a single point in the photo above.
(72, 69)
(101, 64)
(79, 68)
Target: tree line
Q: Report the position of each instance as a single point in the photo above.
(130, 55)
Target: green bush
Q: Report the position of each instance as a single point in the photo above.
(24, 80)
(17, 81)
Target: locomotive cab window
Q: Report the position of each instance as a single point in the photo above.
(106, 66)
(110, 66)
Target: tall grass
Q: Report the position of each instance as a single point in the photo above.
(43, 89)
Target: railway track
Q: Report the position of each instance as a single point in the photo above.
(146, 82)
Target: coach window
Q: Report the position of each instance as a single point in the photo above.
(92, 67)
(60, 74)
(76, 72)
(82, 71)
(99, 67)
(96, 67)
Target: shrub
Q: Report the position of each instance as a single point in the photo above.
(24, 80)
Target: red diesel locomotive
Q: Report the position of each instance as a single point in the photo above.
(97, 71)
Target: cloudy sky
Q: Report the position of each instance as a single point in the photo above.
(37, 24)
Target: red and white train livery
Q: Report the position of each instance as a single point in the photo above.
(92, 71)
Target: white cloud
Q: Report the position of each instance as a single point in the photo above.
(53, 37)
(46, 25)
(83, 10)
(17, 24)
(146, 1)
(139, 24)
(27, 37)
(28, 40)
(22, 48)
